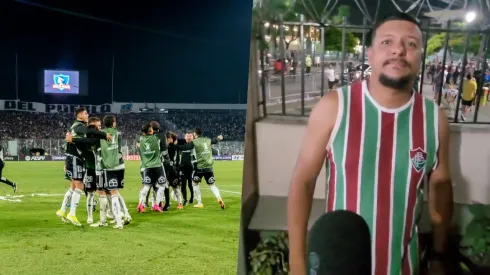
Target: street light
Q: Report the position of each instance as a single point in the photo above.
(470, 16)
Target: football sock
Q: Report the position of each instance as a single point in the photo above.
(115, 209)
(143, 193)
(215, 191)
(178, 195)
(103, 208)
(66, 199)
(160, 194)
(75, 199)
(109, 209)
(123, 206)
(197, 192)
(147, 194)
(90, 203)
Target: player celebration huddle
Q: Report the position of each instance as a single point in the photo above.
(94, 164)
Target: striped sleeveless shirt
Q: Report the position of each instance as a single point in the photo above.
(376, 162)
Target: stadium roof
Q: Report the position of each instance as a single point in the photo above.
(440, 9)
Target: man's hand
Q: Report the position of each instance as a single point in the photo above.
(137, 145)
(176, 141)
(108, 137)
(69, 137)
(220, 137)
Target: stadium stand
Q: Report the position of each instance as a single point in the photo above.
(47, 131)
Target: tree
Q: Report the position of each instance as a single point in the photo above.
(435, 43)
(316, 11)
(270, 11)
(342, 11)
(456, 43)
(333, 40)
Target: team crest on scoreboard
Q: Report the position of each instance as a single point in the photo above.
(61, 82)
(418, 157)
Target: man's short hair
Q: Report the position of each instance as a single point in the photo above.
(396, 16)
(198, 131)
(109, 121)
(155, 125)
(93, 120)
(146, 128)
(80, 110)
(172, 135)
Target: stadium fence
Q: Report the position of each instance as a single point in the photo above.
(281, 93)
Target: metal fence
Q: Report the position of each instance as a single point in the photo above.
(55, 147)
(284, 93)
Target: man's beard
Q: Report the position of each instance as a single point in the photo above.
(400, 83)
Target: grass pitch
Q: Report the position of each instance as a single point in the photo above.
(190, 241)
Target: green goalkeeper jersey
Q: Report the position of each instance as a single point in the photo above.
(150, 152)
(204, 153)
(110, 151)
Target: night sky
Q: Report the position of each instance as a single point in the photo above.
(180, 51)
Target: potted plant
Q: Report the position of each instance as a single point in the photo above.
(271, 256)
(476, 241)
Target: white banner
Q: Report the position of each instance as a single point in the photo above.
(237, 157)
(14, 105)
(115, 107)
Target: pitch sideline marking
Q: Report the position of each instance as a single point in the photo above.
(232, 192)
(5, 198)
(15, 198)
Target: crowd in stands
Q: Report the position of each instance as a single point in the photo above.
(36, 128)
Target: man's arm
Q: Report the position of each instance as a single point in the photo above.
(441, 189)
(119, 142)
(163, 142)
(217, 139)
(87, 141)
(181, 141)
(187, 146)
(83, 130)
(308, 166)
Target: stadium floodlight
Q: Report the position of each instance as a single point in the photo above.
(470, 16)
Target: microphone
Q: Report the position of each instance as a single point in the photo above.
(339, 243)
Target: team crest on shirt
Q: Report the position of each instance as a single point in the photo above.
(418, 158)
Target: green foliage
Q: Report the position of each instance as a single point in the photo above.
(271, 256)
(314, 10)
(342, 11)
(476, 241)
(271, 10)
(263, 45)
(333, 40)
(435, 43)
(456, 43)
